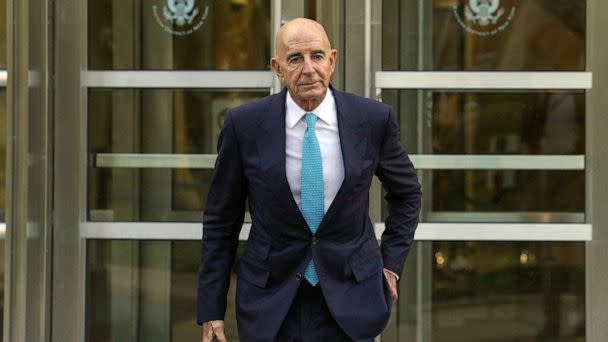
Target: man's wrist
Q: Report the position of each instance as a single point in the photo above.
(209, 318)
(392, 273)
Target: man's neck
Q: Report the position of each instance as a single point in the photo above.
(309, 105)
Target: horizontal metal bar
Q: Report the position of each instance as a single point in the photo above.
(31, 232)
(500, 232)
(483, 80)
(505, 217)
(3, 78)
(149, 160)
(425, 231)
(147, 230)
(428, 161)
(176, 79)
(498, 162)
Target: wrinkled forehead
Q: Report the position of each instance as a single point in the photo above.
(301, 34)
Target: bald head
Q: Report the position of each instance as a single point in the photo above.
(304, 61)
(292, 28)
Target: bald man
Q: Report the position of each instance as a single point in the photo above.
(303, 160)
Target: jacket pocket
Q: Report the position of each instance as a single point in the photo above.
(366, 261)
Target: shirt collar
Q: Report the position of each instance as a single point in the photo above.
(325, 111)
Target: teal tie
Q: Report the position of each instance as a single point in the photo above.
(311, 197)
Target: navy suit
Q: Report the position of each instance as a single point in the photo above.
(250, 168)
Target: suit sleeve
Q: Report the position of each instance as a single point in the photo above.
(403, 196)
(222, 222)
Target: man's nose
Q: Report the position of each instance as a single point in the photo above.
(307, 67)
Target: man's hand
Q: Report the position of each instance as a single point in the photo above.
(391, 278)
(213, 331)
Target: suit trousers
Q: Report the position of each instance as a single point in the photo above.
(309, 319)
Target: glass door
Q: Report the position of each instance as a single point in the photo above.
(156, 86)
(495, 122)
(158, 83)
(491, 120)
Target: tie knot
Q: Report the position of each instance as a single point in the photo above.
(311, 119)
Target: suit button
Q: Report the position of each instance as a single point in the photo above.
(299, 276)
(314, 240)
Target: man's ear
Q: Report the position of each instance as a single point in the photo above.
(277, 68)
(332, 59)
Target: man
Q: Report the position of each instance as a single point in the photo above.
(304, 160)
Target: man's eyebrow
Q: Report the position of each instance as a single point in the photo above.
(293, 54)
(298, 54)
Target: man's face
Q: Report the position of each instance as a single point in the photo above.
(304, 62)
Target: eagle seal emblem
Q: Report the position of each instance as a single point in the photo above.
(178, 16)
(180, 11)
(484, 17)
(482, 11)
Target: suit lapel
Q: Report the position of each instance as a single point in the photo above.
(271, 146)
(353, 142)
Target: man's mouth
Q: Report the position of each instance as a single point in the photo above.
(307, 84)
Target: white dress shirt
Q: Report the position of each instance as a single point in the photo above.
(329, 142)
(326, 129)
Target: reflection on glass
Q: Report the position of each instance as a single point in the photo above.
(186, 121)
(479, 291)
(154, 121)
(146, 290)
(524, 291)
(491, 291)
(475, 35)
(503, 123)
(507, 191)
(148, 35)
(493, 122)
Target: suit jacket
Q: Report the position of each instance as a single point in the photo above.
(250, 168)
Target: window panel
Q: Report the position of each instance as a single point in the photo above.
(473, 291)
(477, 291)
(154, 121)
(495, 123)
(186, 121)
(506, 191)
(514, 290)
(122, 304)
(149, 35)
(454, 35)
(490, 122)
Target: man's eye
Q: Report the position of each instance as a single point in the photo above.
(318, 57)
(293, 60)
